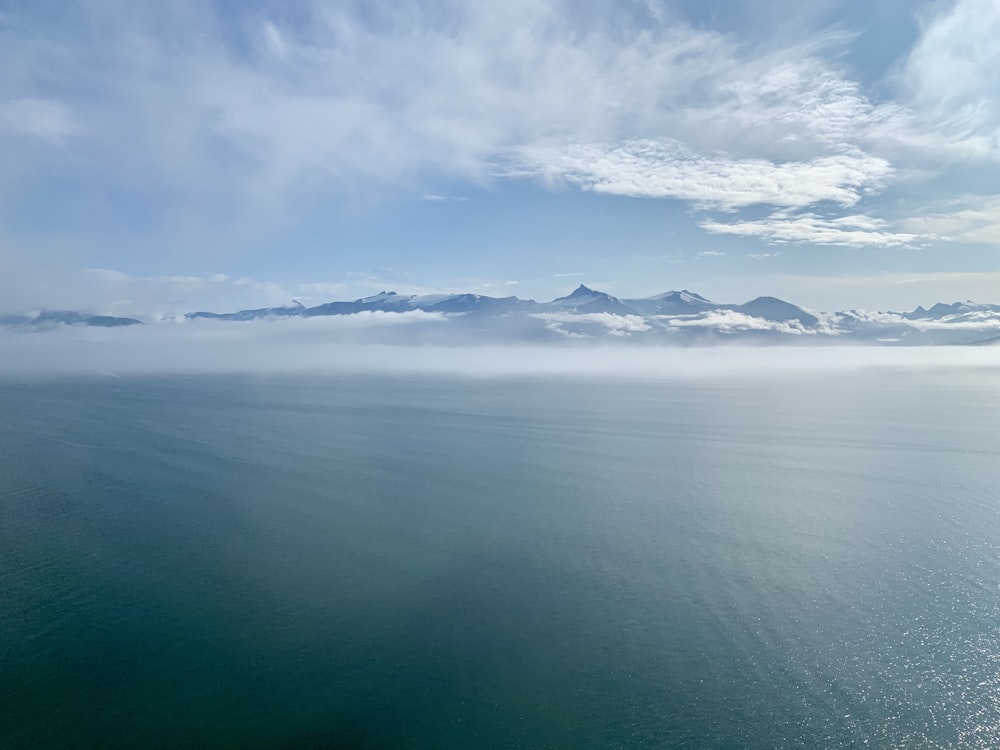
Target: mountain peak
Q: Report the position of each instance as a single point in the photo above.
(585, 295)
(377, 297)
(776, 310)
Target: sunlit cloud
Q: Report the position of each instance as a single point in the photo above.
(855, 230)
(572, 324)
(731, 321)
(535, 88)
(948, 81)
(665, 169)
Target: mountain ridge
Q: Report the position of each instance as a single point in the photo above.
(680, 316)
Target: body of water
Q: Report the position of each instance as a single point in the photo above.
(356, 563)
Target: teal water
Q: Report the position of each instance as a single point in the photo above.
(355, 563)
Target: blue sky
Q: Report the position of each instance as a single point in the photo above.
(161, 157)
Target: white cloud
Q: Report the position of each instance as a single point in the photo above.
(731, 321)
(795, 96)
(434, 197)
(969, 218)
(949, 81)
(978, 320)
(352, 96)
(782, 227)
(616, 324)
(663, 168)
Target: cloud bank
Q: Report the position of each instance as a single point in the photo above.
(320, 347)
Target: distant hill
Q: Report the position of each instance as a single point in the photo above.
(52, 318)
(776, 311)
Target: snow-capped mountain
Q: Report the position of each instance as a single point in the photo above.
(680, 302)
(296, 308)
(776, 311)
(586, 300)
(955, 310)
(672, 317)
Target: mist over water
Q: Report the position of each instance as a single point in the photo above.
(386, 343)
(264, 561)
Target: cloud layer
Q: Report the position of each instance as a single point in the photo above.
(783, 227)
(323, 347)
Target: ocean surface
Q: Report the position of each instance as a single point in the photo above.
(354, 563)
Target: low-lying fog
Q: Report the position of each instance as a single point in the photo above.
(402, 344)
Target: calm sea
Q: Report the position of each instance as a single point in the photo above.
(357, 563)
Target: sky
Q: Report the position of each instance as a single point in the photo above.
(165, 157)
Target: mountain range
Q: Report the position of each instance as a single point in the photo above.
(682, 317)
(582, 301)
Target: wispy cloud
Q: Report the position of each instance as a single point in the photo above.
(434, 197)
(854, 230)
(666, 169)
(967, 218)
(948, 82)
(270, 106)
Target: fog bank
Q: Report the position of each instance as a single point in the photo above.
(321, 347)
